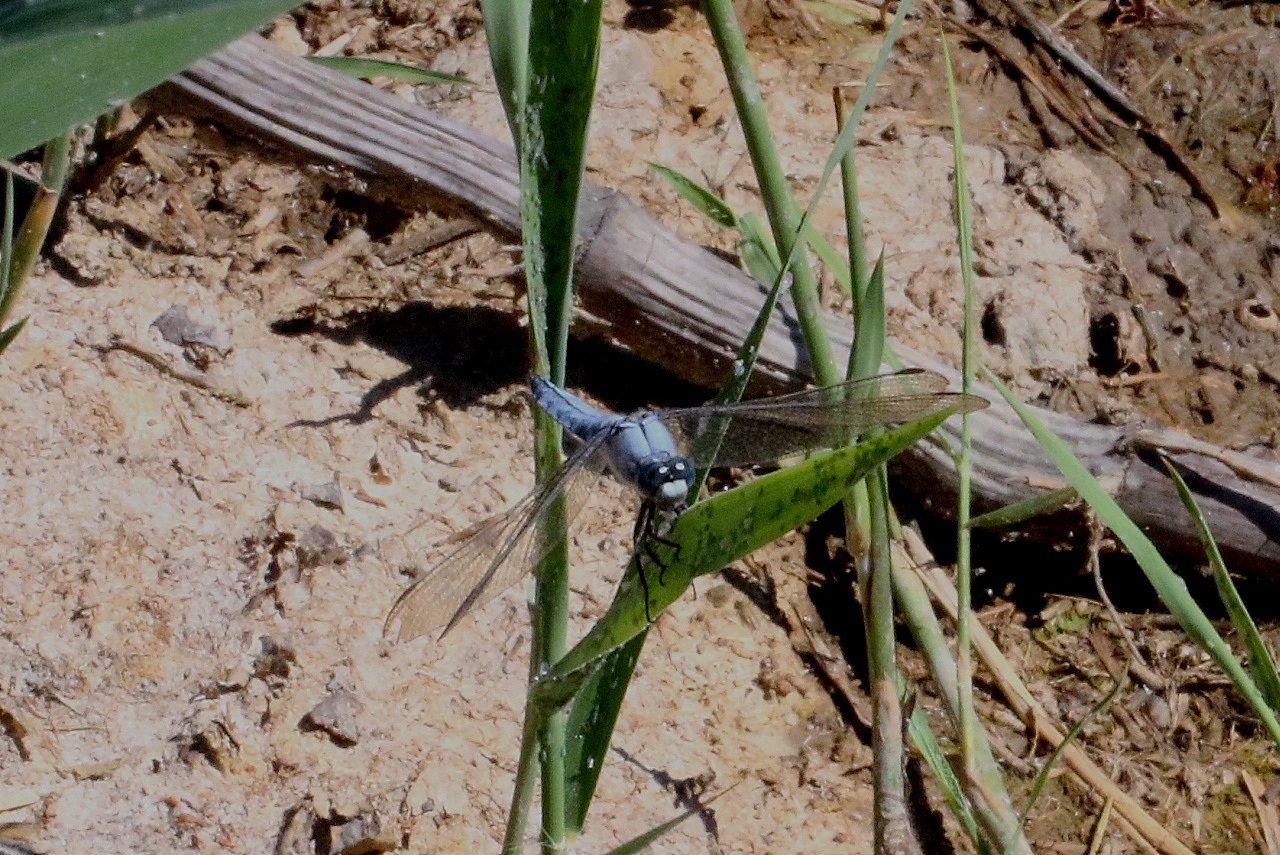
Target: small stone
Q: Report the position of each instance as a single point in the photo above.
(325, 495)
(365, 834)
(198, 342)
(336, 715)
(318, 546)
(176, 327)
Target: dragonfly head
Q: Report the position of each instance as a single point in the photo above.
(666, 480)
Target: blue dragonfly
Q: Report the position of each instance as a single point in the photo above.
(657, 453)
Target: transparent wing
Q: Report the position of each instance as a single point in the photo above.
(764, 430)
(497, 554)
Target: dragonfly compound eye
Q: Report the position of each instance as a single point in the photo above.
(669, 481)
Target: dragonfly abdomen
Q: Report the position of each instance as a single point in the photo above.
(576, 415)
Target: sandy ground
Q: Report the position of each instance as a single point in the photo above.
(198, 555)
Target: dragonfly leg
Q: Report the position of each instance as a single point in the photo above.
(643, 537)
(640, 546)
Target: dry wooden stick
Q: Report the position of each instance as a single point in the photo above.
(676, 304)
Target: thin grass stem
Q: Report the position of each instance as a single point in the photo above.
(854, 232)
(784, 219)
(891, 826)
(990, 801)
(964, 570)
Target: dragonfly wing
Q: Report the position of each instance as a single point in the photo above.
(764, 430)
(496, 555)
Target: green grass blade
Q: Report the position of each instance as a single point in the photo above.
(506, 28)
(964, 467)
(707, 445)
(854, 232)
(987, 796)
(830, 258)
(1261, 664)
(20, 251)
(845, 141)
(24, 251)
(7, 286)
(1042, 777)
(1169, 587)
(773, 183)
(10, 333)
(1021, 511)
(936, 759)
(66, 62)
(785, 222)
(563, 47)
(869, 346)
(754, 238)
(703, 200)
(365, 68)
(864, 361)
(888, 749)
(756, 249)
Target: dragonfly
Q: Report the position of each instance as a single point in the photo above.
(656, 452)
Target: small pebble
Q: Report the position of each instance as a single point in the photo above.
(336, 715)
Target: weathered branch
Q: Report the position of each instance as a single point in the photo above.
(685, 308)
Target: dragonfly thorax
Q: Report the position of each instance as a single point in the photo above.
(666, 480)
(643, 453)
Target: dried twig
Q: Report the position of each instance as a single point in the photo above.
(158, 362)
(1128, 112)
(1020, 700)
(1079, 117)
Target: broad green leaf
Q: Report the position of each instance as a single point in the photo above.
(590, 728)
(64, 62)
(597, 704)
(713, 533)
(364, 68)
